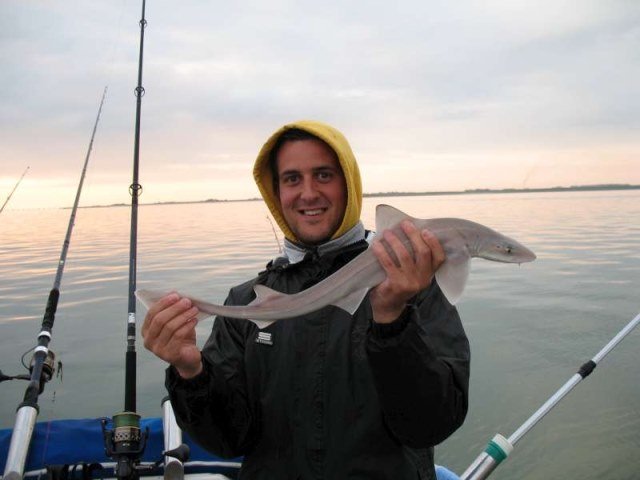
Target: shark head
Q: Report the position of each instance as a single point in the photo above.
(504, 249)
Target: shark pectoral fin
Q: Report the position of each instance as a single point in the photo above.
(351, 302)
(452, 277)
(388, 217)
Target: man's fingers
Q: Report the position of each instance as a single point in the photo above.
(154, 323)
(420, 248)
(163, 303)
(156, 308)
(401, 256)
(423, 257)
(437, 252)
(172, 329)
(383, 256)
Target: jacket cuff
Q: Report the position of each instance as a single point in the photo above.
(382, 331)
(173, 380)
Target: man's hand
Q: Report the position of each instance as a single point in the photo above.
(169, 332)
(408, 275)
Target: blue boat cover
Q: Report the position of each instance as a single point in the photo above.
(70, 442)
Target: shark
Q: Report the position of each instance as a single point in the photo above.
(461, 240)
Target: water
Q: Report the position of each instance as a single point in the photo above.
(530, 327)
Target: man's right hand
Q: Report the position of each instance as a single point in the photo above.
(169, 331)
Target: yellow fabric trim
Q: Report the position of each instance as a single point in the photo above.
(346, 158)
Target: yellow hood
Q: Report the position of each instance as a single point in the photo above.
(340, 145)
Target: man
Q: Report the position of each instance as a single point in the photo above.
(327, 395)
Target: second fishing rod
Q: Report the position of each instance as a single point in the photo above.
(43, 361)
(124, 441)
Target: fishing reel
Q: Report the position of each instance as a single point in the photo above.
(48, 368)
(125, 443)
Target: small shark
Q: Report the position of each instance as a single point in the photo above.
(346, 288)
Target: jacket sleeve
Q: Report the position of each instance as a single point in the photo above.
(214, 407)
(420, 365)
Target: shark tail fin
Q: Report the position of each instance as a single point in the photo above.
(452, 277)
(147, 297)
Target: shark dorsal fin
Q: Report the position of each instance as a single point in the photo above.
(388, 216)
(263, 292)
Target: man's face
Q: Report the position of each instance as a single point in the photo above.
(312, 190)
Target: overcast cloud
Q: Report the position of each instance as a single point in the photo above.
(433, 95)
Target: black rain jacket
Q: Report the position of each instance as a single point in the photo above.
(328, 395)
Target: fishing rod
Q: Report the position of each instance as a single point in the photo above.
(135, 189)
(125, 443)
(14, 189)
(42, 365)
(500, 447)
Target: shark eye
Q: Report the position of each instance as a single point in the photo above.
(509, 249)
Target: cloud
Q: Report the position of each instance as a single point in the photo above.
(473, 80)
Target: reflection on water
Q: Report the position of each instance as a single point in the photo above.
(530, 327)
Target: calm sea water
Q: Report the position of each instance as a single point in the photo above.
(530, 327)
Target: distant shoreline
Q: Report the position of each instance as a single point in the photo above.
(573, 188)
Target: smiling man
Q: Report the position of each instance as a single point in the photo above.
(327, 395)
(311, 188)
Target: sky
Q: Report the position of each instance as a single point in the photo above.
(432, 95)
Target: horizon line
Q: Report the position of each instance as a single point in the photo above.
(469, 191)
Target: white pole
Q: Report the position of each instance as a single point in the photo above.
(173, 468)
